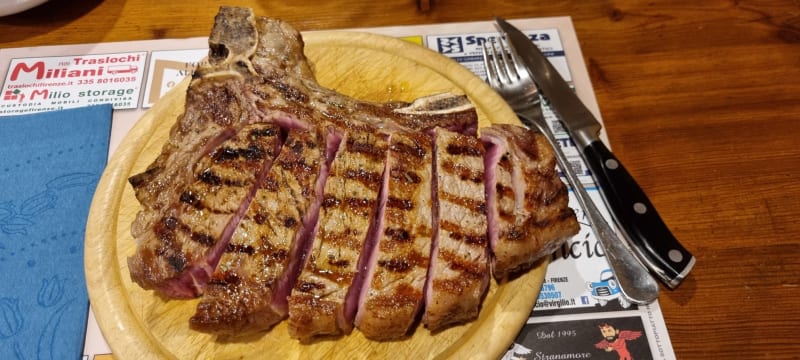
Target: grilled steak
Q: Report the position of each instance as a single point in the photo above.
(179, 251)
(526, 200)
(249, 288)
(275, 197)
(392, 295)
(324, 299)
(459, 269)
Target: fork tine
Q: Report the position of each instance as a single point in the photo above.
(490, 65)
(502, 75)
(509, 63)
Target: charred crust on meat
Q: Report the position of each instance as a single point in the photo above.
(363, 176)
(296, 165)
(167, 228)
(307, 286)
(165, 231)
(139, 180)
(226, 279)
(203, 239)
(330, 201)
(289, 222)
(189, 197)
(252, 153)
(402, 204)
(177, 261)
(478, 206)
(225, 154)
(514, 234)
(396, 265)
(461, 150)
(297, 147)
(208, 177)
(260, 218)
(502, 190)
(239, 248)
(468, 239)
(336, 262)
(454, 231)
(365, 148)
(289, 92)
(262, 132)
(482, 208)
(170, 223)
(400, 235)
(360, 206)
(342, 238)
(463, 172)
(280, 254)
(472, 269)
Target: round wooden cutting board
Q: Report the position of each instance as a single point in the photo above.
(140, 325)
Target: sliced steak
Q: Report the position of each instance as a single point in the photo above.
(526, 200)
(459, 269)
(248, 290)
(324, 299)
(256, 73)
(178, 254)
(348, 233)
(393, 292)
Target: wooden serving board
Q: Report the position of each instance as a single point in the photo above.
(139, 325)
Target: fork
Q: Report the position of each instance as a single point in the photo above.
(509, 78)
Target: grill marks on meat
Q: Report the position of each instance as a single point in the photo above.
(323, 301)
(180, 252)
(393, 293)
(368, 212)
(527, 201)
(458, 275)
(248, 290)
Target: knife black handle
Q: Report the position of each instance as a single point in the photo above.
(637, 217)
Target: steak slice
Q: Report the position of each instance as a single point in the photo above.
(178, 254)
(526, 200)
(248, 291)
(393, 292)
(459, 269)
(324, 299)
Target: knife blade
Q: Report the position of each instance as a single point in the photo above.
(629, 206)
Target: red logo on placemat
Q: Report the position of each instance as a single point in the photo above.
(16, 94)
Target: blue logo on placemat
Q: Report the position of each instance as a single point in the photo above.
(450, 45)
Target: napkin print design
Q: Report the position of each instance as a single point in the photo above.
(50, 164)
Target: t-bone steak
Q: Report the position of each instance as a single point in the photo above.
(276, 198)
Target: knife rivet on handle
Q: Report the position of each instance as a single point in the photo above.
(675, 255)
(612, 164)
(640, 208)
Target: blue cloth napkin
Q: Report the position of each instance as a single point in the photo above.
(50, 164)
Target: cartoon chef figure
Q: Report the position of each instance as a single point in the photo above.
(616, 340)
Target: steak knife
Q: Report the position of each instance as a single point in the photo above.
(630, 208)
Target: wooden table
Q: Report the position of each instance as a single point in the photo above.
(701, 101)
